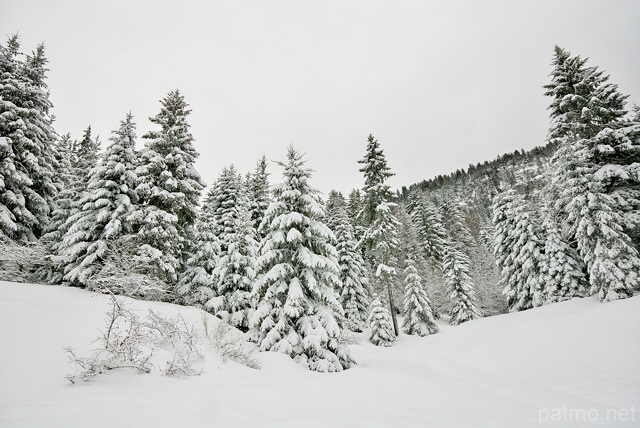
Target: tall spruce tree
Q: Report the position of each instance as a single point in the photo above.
(298, 311)
(616, 152)
(169, 190)
(562, 269)
(456, 267)
(197, 283)
(376, 172)
(518, 249)
(354, 277)
(354, 207)
(236, 236)
(380, 235)
(28, 181)
(259, 193)
(596, 197)
(430, 227)
(583, 100)
(104, 209)
(613, 263)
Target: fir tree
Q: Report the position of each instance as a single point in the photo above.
(418, 317)
(381, 329)
(519, 250)
(354, 207)
(616, 152)
(353, 273)
(335, 208)
(198, 283)
(562, 269)
(612, 261)
(455, 266)
(225, 200)
(169, 190)
(583, 101)
(594, 184)
(259, 193)
(27, 144)
(454, 223)
(376, 172)
(383, 234)
(86, 154)
(380, 236)
(298, 310)
(105, 208)
(234, 230)
(66, 196)
(430, 228)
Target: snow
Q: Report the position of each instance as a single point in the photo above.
(503, 371)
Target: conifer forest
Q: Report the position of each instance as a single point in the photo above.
(295, 271)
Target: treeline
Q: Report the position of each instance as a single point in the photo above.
(295, 271)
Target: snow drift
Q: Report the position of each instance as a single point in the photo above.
(568, 364)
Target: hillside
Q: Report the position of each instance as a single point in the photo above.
(512, 370)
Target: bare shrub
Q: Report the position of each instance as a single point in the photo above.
(229, 343)
(128, 342)
(20, 261)
(127, 273)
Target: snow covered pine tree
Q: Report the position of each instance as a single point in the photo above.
(298, 309)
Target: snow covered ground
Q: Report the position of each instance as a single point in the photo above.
(575, 363)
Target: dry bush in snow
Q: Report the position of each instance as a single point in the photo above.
(125, 272)
(128, 342)
(169, 346)
(229, 343)
(20, 261)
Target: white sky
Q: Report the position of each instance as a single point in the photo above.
(441, 84)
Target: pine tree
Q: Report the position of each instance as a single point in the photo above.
(104, 210)
(380, 235)
(234, 230)
(66, 196)
(455, 266)
(298, 310)
(430, 227)
(612, 261)
(259, 193)
(335, 208)
(594, 183)
(454, 223)
(562, 268)
(197, 283)
(225, 200)
(169, 190)
(27, 144)
(616, 152)
(353, 273)
(354, 207)
(519, 250)
(383, 234)
(376, 172)
(418, 317)
(381, 329)
(583, 101)
(85, 157)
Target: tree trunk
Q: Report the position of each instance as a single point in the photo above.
(392, 309)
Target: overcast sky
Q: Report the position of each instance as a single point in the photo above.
(441, 84)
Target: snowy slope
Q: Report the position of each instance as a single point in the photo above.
(504, 371)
